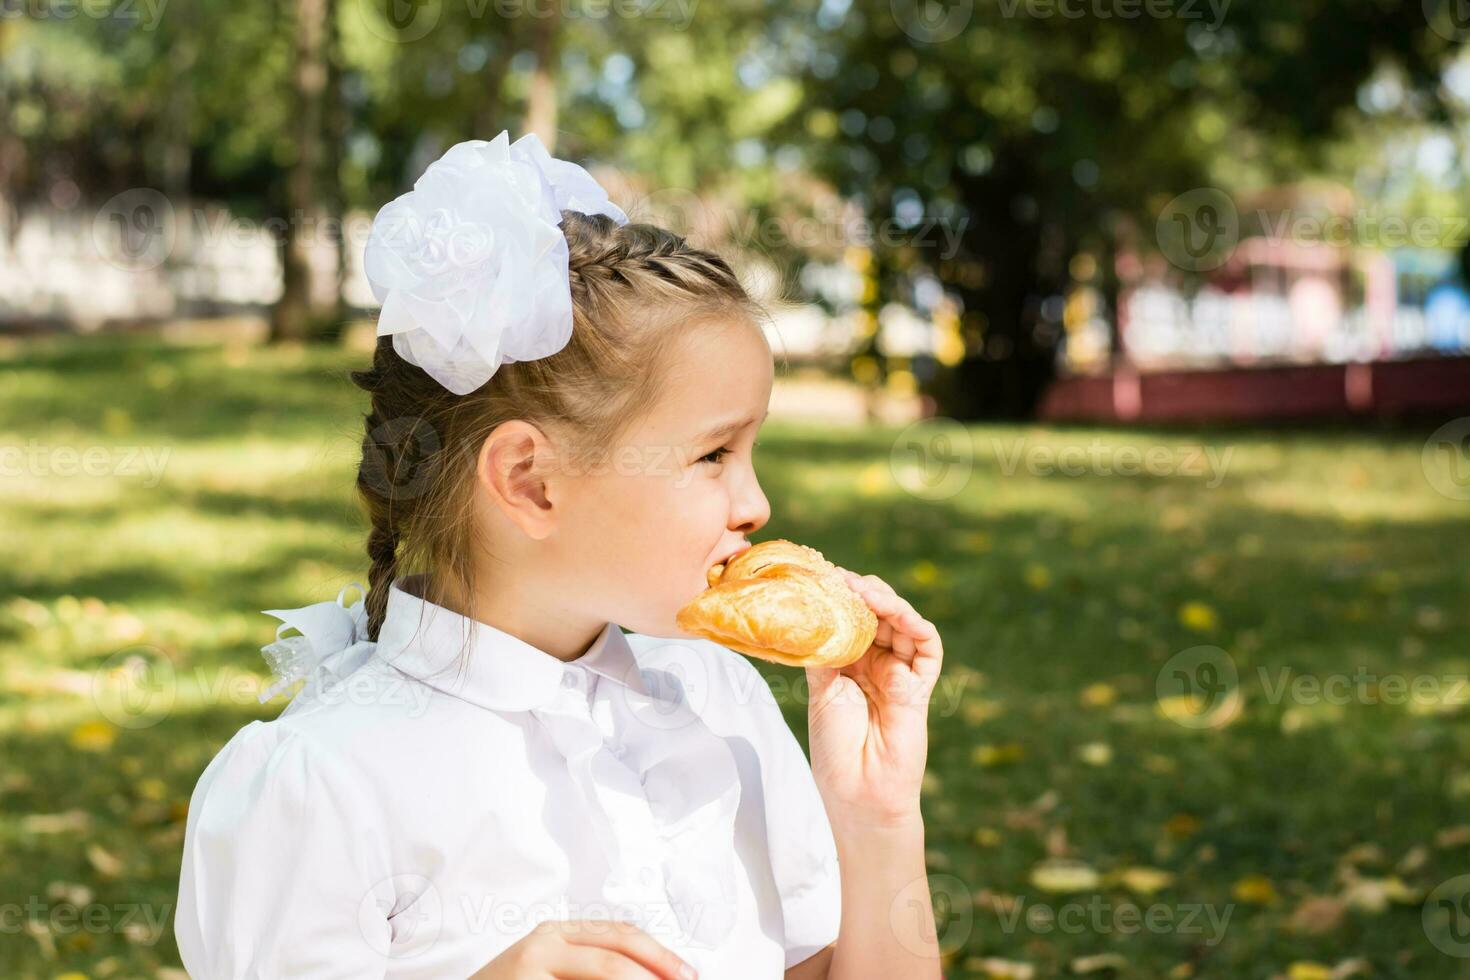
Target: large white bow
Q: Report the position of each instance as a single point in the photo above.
(471, 265)
(327, 632)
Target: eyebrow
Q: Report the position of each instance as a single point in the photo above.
(726, 428)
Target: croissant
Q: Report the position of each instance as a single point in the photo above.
(783, 602)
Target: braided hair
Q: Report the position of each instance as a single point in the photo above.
(636, 289)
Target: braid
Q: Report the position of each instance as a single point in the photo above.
(639, 254)
(378, 486)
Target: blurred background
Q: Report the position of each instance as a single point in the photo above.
(1130, 339)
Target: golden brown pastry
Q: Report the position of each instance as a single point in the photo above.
(783, 602)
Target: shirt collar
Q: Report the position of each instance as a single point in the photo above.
(501, 671)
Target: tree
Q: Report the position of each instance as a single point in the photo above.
(1035, 128)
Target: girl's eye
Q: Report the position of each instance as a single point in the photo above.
(716, 456)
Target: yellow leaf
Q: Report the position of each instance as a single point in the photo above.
(998, 969)
(1096, 753)
(924, 572)
(1198, 616)
(1038, 576)
(1099, 695)
(1064, 877)
(1303, 970)
(1145, 881)
(1255, 890)
(1098, 963)
(93, 736)
(987, 837)
(991, 756)
(873, 481)
(107, 864)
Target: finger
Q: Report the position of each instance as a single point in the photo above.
(629, 940)
(575, 962)
(865, 582)
(905, 621)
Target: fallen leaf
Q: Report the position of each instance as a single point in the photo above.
(1317, 915)
(1255, 890)
(1145, 881)
(1064, 877)
(1198, 616)
(1099, 963)
(93, 736)
(1303, 970)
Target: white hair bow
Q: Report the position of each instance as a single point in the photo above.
(471, 265)
(327, 631)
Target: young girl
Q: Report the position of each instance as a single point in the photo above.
(482, 773)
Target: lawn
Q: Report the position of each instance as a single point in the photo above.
(1204, 717)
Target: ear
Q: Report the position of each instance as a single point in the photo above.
(515, 471)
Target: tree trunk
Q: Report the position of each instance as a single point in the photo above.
(1006, 374)
(541, 105)
(293, 315)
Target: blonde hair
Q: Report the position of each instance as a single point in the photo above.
(636, 289)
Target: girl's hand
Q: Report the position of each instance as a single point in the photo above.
(586, 948)
(868, 721)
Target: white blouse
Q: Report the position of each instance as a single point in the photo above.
(405, 819)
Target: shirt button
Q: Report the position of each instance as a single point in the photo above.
(568, 680)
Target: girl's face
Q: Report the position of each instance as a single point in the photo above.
(680, 493)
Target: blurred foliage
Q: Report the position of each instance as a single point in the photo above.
(1036, 131)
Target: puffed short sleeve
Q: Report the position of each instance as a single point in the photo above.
(799, 834)
(283, 874)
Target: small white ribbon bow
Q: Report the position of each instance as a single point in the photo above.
(326, 631)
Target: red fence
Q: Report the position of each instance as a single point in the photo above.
(1431, 386)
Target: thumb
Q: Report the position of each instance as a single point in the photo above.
(822, 681)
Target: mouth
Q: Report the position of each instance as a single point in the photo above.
(718, 568)
(738, 551)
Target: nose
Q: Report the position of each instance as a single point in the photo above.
(749, 508)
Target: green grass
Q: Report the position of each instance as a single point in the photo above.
(1060, 598)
